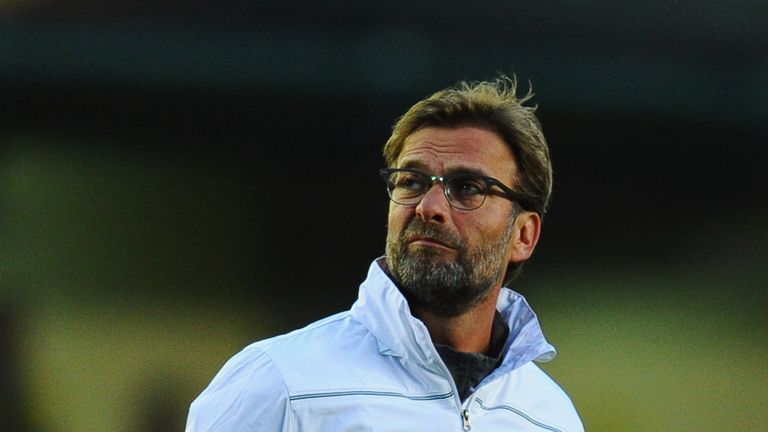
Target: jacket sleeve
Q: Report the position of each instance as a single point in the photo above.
(248, 394)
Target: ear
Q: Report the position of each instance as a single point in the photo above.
(525, 237)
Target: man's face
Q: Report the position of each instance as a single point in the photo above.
(449, 260)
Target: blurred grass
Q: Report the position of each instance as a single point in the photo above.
(660, 352)
(121, 268)
(98, 220)
(91, 367)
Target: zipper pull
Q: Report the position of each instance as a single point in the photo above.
(465, 420)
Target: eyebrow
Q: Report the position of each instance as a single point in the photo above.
(418, 165)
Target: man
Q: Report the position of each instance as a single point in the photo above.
(433, 343)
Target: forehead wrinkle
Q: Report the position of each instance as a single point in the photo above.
(412, 159)
(447, 151)
(424, 151)
(430, 150)
(459, 169)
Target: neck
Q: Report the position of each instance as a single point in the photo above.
(468, 332)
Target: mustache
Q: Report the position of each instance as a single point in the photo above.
(417, 228)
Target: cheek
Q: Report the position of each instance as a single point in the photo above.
(398, 219)
(393, 221)
(487, 229)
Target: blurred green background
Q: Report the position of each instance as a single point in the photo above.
(165, 173)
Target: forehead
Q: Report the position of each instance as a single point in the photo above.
(444, 150)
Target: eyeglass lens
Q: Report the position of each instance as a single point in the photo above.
(462, 191)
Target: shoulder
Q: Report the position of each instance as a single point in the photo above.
(242, 392)
(546, 392)
(541, 381)
(543, 398)
(327, 334)
(256, 382)
(336, 352)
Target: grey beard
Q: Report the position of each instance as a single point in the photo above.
(445, 288)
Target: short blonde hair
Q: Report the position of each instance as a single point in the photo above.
(493, 106)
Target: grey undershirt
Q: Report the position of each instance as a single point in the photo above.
(468, 369)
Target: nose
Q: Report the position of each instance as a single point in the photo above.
(434, 206)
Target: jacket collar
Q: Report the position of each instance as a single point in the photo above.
(383, 310)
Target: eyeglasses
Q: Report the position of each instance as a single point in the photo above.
(464, 191)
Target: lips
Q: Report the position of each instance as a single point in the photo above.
(428, 241)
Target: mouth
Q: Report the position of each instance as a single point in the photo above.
(428, 242)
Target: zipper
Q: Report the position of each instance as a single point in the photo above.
(464, 413)
(463, 407)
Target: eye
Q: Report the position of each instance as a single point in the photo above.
(410, 181)
(467, 187)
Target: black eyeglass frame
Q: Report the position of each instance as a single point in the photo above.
(510, 193)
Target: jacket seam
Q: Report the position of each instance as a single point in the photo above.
(520, 413)
(289, 405)
(319, 395)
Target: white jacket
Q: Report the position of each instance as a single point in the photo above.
(374, 368)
